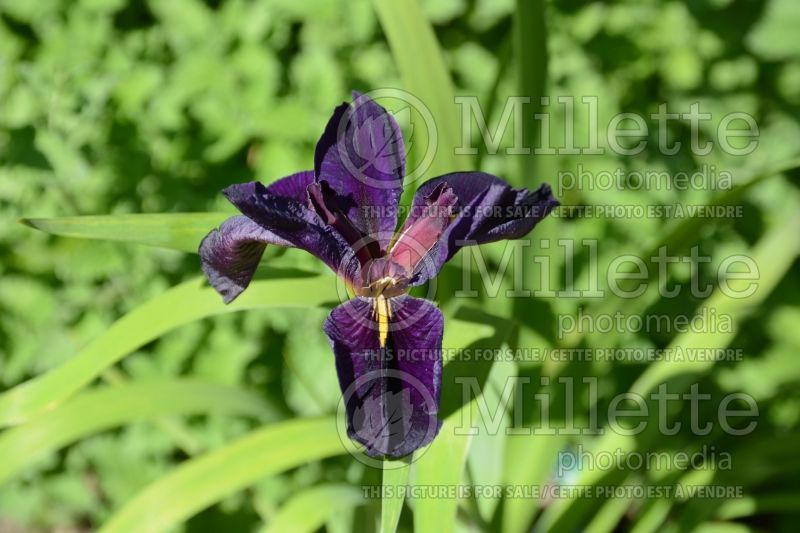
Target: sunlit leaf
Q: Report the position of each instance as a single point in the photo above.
(530, 54)
(308, 510)
(179, 231)
(98, 410)
(206, 479)
(180, 305)
(395, 476)
(425, 76)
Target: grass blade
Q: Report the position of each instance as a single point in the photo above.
(308, 510)
(180, 305)
(200, 482)
(529, 463)
(114, 406)
(395, 474)
(608, 518)
(765, 503)
(178, 231)
(530, 48)
(442, 463)
(421, 64)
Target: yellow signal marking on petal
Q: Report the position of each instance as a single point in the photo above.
(383, 312)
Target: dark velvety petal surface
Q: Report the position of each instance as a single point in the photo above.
(324, 201)
(293, 186)
(391, 393)
(489, 210)
(294, 223)
(415, 335)
(361, 155)
(230, 254)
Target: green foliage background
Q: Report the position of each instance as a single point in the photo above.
(115, 107)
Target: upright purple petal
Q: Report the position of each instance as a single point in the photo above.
(361, 155)
(294, 223)
(230, 254)
(489, 210)
(293, 186)
(391, 393)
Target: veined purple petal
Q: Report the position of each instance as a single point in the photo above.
(292, 222)
(230, 254)
(490, 210)
(324, 201)
(293, 186)
(361, 155)
(391, 393)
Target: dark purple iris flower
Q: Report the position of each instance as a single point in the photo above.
(387, 344)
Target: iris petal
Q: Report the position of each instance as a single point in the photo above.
(391, 394)
(293, 186)
(324, 201)
(422, 231)
(361, 155)
(295, 224)
(230, 254)
(490, 210)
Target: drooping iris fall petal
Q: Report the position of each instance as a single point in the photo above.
(391, 393)
(230, 254)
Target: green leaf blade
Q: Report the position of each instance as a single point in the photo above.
(204, 480)
(308, 510)
(425, 75)
(177, 231)
(185, 303)
(395, 475)
(114, 406)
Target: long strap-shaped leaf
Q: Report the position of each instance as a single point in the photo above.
(530, 51)
(442, 463)
(179, 231)
(395, 477)
(97, 410)
(421, 64)
(202, 481)
(308, 510)
(180, 305)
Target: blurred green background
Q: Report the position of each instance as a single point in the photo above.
(119, 107)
